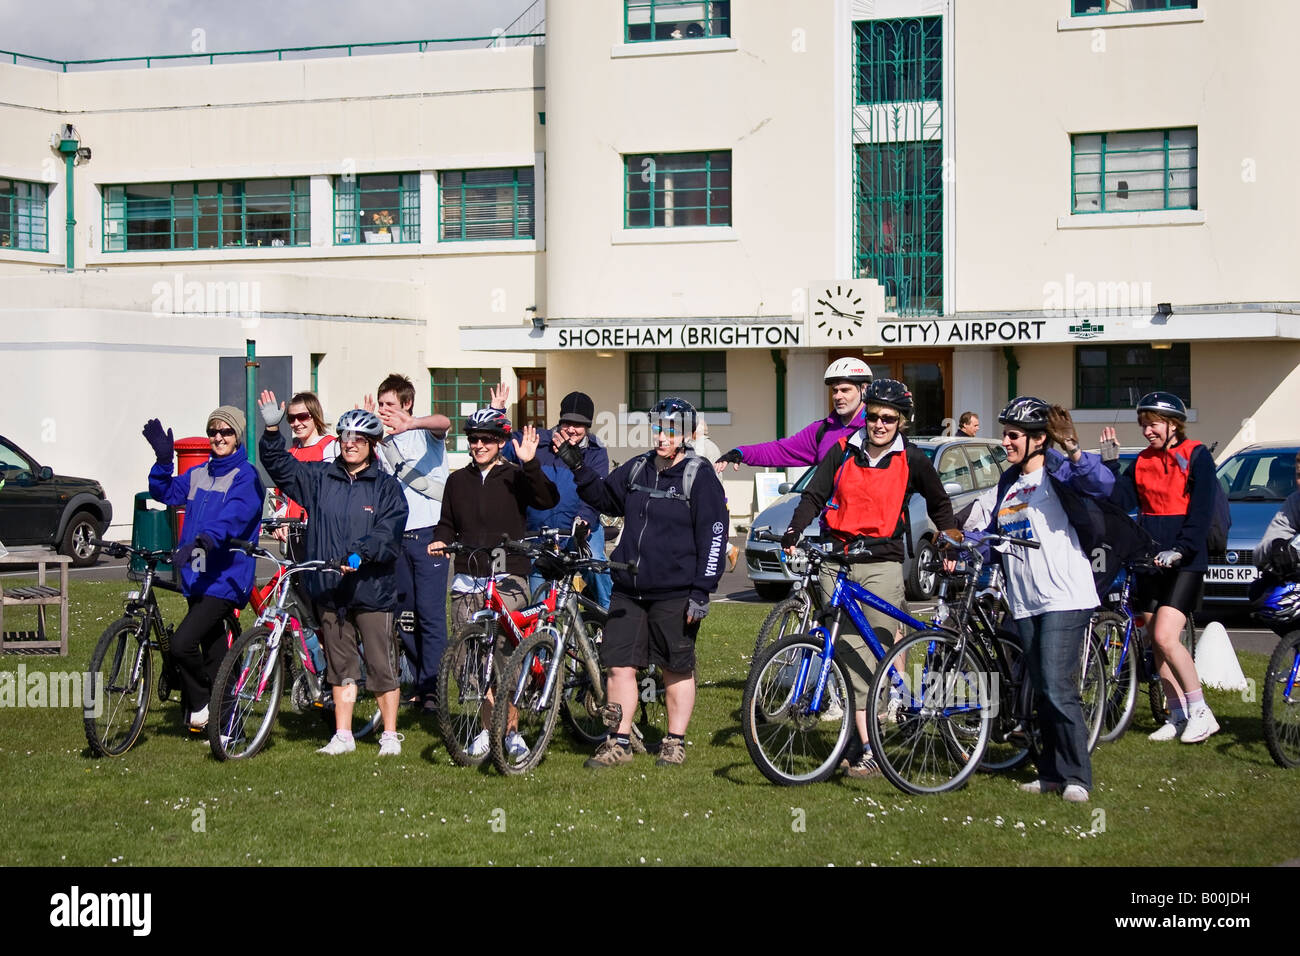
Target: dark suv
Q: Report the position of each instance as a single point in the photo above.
(39, 507)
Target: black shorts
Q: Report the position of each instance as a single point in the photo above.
(640, 633)
(1180, 590)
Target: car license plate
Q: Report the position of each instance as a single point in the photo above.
(1230, 574)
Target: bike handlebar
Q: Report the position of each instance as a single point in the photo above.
(993, 540)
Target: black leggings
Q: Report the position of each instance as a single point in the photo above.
(198, 647)
(1180, 590)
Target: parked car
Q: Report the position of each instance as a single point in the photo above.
(39, 507)
(967, 467)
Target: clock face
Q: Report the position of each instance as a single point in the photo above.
(837, 312)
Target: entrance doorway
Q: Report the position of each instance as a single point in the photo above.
(531, 407)
(927, 373)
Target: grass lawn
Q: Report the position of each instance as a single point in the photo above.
(167, 802)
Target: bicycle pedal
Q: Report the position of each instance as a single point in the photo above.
(612, 715)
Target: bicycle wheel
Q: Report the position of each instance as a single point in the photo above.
(246, 696)
(523, 686)
(933, 737)
(1121, 674)
(786, 617)
(1156, 689)
(579, 701)
(788, 741)
(120, 680)
(1005, 751)
(1092, 689)
(1282, 702)
(465, 677)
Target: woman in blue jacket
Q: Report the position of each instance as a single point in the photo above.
(222, 499)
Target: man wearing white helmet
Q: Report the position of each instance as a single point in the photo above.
(848, 378)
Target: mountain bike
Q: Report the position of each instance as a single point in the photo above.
(1281, 702)
(121, 666)
(806, 603)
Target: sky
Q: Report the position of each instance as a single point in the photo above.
(90, 29)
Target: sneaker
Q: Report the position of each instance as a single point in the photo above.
(479, 745)
(833, 709)
(515, 746)
(609, 754)
(199, 720)
(390, 743)
(1075, 794)
(865, 766)
(672, 752)
(1046, 786)
(1199, 726)
(1171, 731)
(338, 745)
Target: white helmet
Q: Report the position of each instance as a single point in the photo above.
(848, 370)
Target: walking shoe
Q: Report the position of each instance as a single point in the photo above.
(430, 704)
(1171, 731)
(672, 752)
(1045, 786)
(515, 746)
(199, 720)
(390, 744)
(1199, 726)
(338, 745)
(609, 754)
(479, 745)
(832, 709)
(866, 766)
(733, 554)
(1075, 794)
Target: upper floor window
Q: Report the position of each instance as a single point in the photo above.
(23, 215)
(1133, 171)
(899, 61)
(207, 215)
(698, 377)
(379, 208)
(486, 204)
(1116, 376)
(677, 189)
(675, 19)
(1083, 8)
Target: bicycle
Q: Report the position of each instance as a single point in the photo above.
(121, 666)
(1275, 606)
(794, 614)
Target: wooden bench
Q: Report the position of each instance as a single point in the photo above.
(40, 596)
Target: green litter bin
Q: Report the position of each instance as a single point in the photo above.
(151, 530)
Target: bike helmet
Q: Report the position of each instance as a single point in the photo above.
(360, 422)
(1275, 603)
(891, 394)
(848, 370)
(679, 411)
(488, 421)
(1163, 403)
(1026, 412)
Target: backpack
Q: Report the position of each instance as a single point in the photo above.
(1220, 514)
(693, 463)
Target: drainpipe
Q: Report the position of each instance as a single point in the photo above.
(1013, 367)
(251, 414)
(68, 147)
(779, 364)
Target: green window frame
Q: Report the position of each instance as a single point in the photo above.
(377, 208)
(1094, 8)
(1116, 376)
(211, 214)
(899, 61)
(666, 190)
(24, 215)
(646, 21)
(458, 393)
(316, 359)
(698, 377)
(479, 204)
(1133, 171)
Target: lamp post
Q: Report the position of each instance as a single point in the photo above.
(67, 141)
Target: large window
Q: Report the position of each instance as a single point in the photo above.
(1133, 171)
(380, 208)
(458, 393)
(675, 19)
(23, 215)
(899, 60)
(1116, 376)
(677, 189)
(207, 215)
(698, 377)
(486, 204)
(900, 223)
(1083, 8)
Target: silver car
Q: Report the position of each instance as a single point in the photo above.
(967, 467)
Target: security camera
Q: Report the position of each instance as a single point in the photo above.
(83, 154)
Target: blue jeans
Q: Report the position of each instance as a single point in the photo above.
(422, 588)
(1053, 645)
(599, 585)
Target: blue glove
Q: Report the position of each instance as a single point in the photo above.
(161, 441)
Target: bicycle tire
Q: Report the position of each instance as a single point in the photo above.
(1008, 753)
(788, 742)
(522, 683)
(120, 683)
(464, 699)
(1122, 676)
(579, 702)
(791, 616)
(934, 739)
(245, 707)
(1282, 714)
(1155, 687)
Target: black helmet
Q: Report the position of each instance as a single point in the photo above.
(1026, 412)
(890, 393)
(679, 410)
(488, 421)
(1163, 403)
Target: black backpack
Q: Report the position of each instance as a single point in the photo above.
(693, 465)
(1220, 516)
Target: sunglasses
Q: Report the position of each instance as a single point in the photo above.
(480, 440)
(664, 430)
(874, 417)
(223, 432)
(1012, 434)
(300, 417)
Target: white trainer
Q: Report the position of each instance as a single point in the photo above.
(515, 746)
(1170, 731)
(479, 745)
(338, 745)
(1075, 794)
(199, 719)
(1199, 726)
(390, 743)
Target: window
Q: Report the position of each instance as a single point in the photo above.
(486, 204)
(675, 20)
(381, 208)
(900, 223)
(1083, 8)
(984, 464)
(698, 377)
(1130, 172)
(316, 359)
(23, 222)
(207, 215)
(1116, 376)
(899, 60)
(677, 189)
(953, 468)
(458, 393)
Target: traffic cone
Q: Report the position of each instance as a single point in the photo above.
(1216, 661)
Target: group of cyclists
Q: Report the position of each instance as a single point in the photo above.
(381, 504)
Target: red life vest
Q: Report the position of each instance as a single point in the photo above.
(867, 501)
(1161, 478)
(294, 511)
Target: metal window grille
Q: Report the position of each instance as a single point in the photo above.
(458, 393)
(24, 222)
(377, 208)
(698, 377)
(1133, 171)
(260, 213)
(1116, 376)
(1088, 8)
(486, 204)
(646, 20)
(677, 189)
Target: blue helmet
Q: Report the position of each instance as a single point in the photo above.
(1276, 603)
